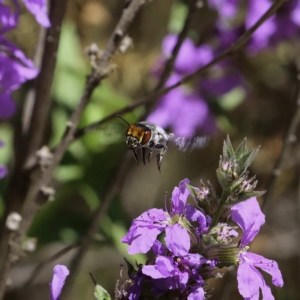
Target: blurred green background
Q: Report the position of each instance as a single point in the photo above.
(91, 166)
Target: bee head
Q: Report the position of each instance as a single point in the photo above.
(132, 142)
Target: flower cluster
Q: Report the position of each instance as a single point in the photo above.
(190, 243)
(189, 105)
(15, 67)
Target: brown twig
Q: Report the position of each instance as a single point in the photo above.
(96, 219)
(49, 260)
(152, 97)
(288, 140)
(20, 178)
(43, 178)
(42, 102)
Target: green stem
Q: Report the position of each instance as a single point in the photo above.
(217, 216)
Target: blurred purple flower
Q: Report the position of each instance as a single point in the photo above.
(3, 169)
(60, 273)
(145, 229)
(260, 38)
(287, 21)
(8, 19)
(226, 79)
(39, 9)
(295, 12)
(227, 10)
(15, 69)
(249, 217)
(190, 57)
(184, 112)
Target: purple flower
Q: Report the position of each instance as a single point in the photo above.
(15, 69)
(184, 112)
(176, 272)
(260, 38)
(287, 21)
(135, 290)
(145, 229)
(8, 19)
(225, 80)
(190, 57)
(39, 9)
(60, 274)
(227, 10)
(295, 12)
(3, 169)
(249, 217)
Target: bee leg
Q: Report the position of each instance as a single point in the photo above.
(144, 155)
(135, 157)
(160, 156)
(150, 153)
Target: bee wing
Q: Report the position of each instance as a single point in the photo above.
(110, 134)
(189, 144)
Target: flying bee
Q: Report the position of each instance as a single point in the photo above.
(146, 135)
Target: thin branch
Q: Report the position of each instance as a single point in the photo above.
(169, 65)
(32, 204)
(39, 115)
(288, 140)
(49, 260)
(20, 181)
(96, 219)
(152, 97)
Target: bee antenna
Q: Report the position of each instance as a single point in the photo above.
(123, 119)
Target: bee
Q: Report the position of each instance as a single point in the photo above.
(146, 135)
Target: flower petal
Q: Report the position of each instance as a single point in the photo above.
(8, 19)
(143, 239)
(249, 281)
(269, 266)
(164, 267)
(7, 106)
(194, 259)
(196, 294)
(177, 239)
(60, 274)
(249, 217)
(144, 230)
(39, 9)
(179, 197)
(158, 248)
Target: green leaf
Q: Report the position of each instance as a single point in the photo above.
(228, 149)
(245, 197)
(236, 183)
(250, 195)
(223, 178)
(100, 293)
(246, 160)
(241, 149)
